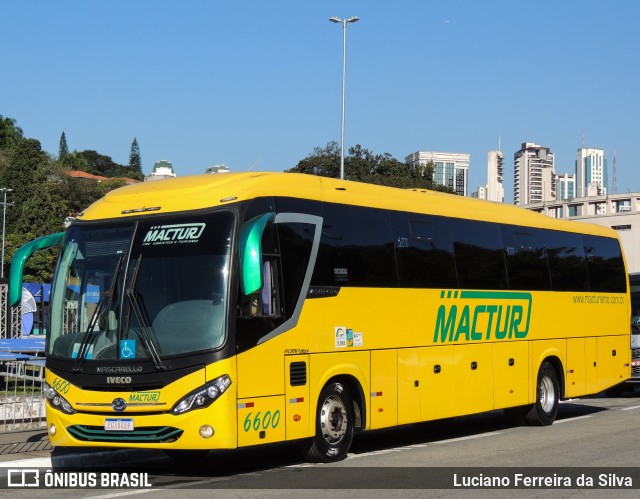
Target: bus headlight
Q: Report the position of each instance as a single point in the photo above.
(203, 396)
(56, 400)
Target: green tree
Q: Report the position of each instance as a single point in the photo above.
(361, 165)
(25, 173)
(324, 162)
(126, 172)
(39, 267)
(37, 209)
(10, 134)
(40, 215)
(43, 194)
(99, 164)
(76, 161)
(63, 150)
(4, 161)
(108, 185)
(135, 162)
(78, 193)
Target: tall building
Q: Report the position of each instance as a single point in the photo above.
(495, 189)
(591, 172)
(565, 186)
(450, 169)
(534, 175)
(481, 193)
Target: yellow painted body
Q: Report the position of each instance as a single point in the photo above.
(221, 416)
(405, 369)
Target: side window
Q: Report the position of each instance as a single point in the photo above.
(527, 265)
(269, 297)
(296, 240)
(356, 248)
(635, 296)
(265, 302)
(479, 254)
(424, 251)
(286, 248)
(371, 241)
(567, 264)
(260, 312)
(332, 266)
(605, 264)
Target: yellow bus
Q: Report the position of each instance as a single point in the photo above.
(225, 311)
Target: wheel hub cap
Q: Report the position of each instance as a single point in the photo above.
(333, 419)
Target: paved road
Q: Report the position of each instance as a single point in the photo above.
(596, 432)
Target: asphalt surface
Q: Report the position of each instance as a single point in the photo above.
(33, 449)
(21, 445)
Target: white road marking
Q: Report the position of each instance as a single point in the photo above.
(631, 408)
(376, 452)
(161, 487)
(469, 437)
(571, 419)
(36, 462)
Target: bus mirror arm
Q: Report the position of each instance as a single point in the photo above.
(250, 253)
(19, 259)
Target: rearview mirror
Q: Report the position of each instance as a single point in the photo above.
(20, 258)
(250, 252)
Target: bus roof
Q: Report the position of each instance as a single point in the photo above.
(211, 190)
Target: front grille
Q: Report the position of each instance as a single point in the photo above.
(148, 434)
(635, 355)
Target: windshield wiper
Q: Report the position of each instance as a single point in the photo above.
(90, 333)
(143, 322)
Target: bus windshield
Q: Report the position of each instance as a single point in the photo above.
(141, 290)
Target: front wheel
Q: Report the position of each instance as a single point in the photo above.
(334, 425)
(544, 411)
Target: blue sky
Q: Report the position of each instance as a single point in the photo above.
(257, 85)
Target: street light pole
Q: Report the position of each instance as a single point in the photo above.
(4, 213)
(344, 23)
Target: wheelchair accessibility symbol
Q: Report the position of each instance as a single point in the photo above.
(127, 349)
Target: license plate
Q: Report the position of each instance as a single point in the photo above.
(119, 424)
(635, 363)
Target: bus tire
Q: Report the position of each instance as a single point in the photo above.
(516, 415)
(545, 409)
(334, 425)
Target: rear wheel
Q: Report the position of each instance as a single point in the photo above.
(544, 411)
(334, 425)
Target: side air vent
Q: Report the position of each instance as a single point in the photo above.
(298, 374)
